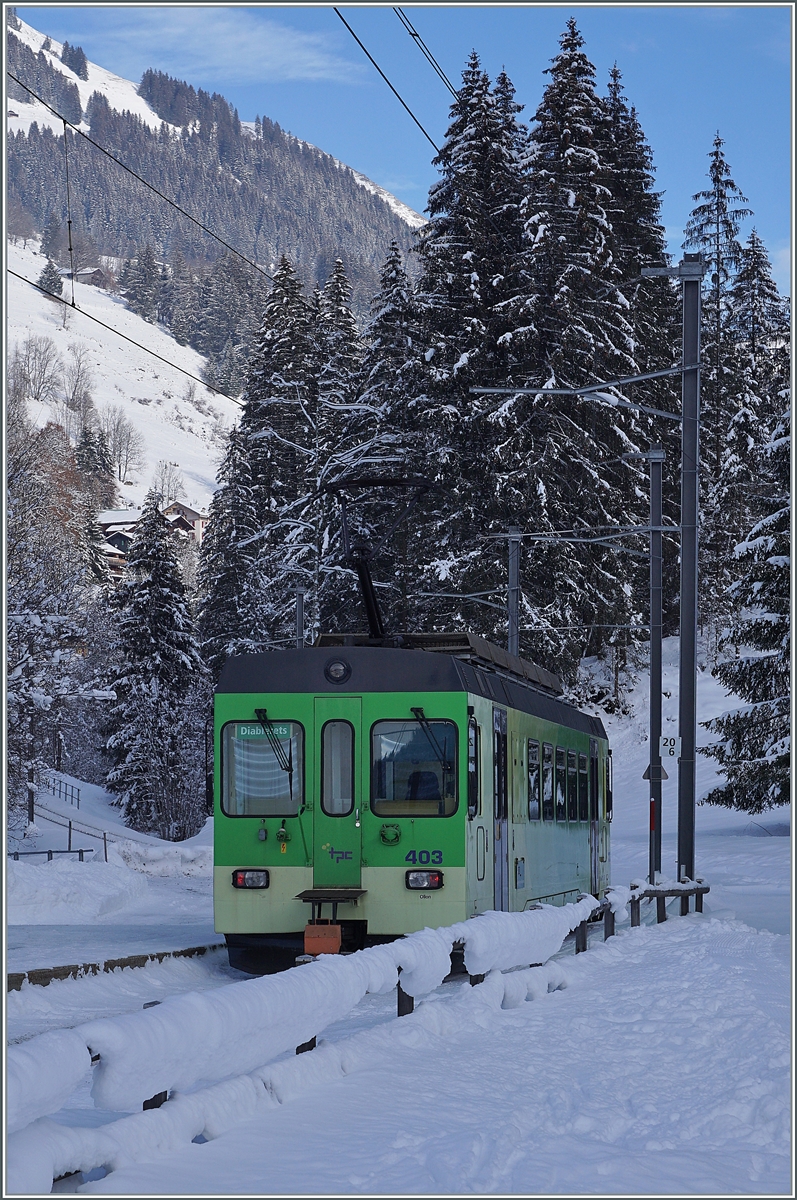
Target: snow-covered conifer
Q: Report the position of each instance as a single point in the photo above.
(713, 228)
(753, 741)
(471, 298)
(279, 424)
(233, 616)
(50, 279)
(565, 478)
(159, 665)
(140, 283)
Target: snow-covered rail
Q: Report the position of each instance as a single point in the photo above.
(218, 1045)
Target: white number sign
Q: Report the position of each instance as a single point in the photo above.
(669, 747)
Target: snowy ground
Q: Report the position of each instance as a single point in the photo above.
(663, 1068)
(154, 396)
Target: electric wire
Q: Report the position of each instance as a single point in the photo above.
(430, 58)
(125, 338)
(387, 81)
(69, 217)
(141, 179)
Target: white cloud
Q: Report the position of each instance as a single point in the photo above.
(230, 45)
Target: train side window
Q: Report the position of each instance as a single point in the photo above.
(474, 769)
(337, 768)
(572, 786)
(593, 780)
(414, 768)
(500, 765)
(262, 773)
(583, 788)
(561, 785)
(547, 782)
(534, 780)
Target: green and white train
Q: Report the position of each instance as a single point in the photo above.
(398, 787)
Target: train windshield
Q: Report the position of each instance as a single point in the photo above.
(414, 768)
(262, 770)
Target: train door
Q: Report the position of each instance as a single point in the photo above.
(501, 846)
(594, 822)
(338, 801)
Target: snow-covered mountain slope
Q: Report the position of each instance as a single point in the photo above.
(120, 93)
(155, 397)
(412, 218)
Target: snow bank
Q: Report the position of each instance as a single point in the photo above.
(42, 1074)
(206, 1038)
(166, 861)
(499, 941)
(46, 1150)
(225, 1039)
(68, 892)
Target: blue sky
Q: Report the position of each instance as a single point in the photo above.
(690, 70)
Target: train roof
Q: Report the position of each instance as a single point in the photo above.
(447, 663)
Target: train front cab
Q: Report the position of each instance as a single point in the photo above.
(426, 807)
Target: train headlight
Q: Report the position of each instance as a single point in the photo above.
(250, 879)
(424, 881)
(337, 671)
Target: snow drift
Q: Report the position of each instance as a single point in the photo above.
(68, 892)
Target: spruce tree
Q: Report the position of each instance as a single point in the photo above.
(140, 283)
(390, 427)
(338, 449)
(471, 302)
(757, 329)
(233, 616)
(96, 464)
(54, 238)
(634, 209)
(279, 423)
(753, 742)
(565, 450)
(159, 666)
(713, 228)
(51, 280)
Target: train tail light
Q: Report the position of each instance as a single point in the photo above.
(424, 881)
(250, 879)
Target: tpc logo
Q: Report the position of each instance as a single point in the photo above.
(337, 855)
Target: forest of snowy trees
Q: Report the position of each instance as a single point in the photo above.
(527, 274)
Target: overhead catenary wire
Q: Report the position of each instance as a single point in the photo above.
(424, 49)
(69, 216)
(372, 60)
(125, 338)
(184, 212)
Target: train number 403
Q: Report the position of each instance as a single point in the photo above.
(423, 857)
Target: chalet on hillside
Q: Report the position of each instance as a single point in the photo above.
(196, 521)
(119, 526)
(96, 276)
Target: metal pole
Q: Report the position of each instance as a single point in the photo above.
(300, 618)
(31, 796)
(656, 462)
(691, 271)
(513, 599)
(69, 843)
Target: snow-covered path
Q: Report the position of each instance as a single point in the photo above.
(662, 1069)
